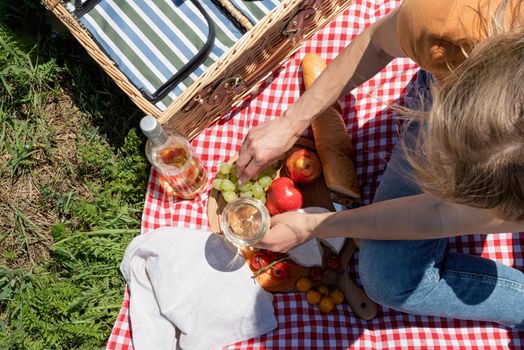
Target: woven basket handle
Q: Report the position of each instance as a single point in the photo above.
(214, 95)
(50, 4)
(236, 14)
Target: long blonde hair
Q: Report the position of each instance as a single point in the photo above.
(470, 148)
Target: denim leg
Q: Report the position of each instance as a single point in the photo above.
(419, 277)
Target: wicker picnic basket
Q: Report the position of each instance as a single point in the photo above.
(230, 78)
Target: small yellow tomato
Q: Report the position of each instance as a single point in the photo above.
(313, 297)
(337, 296)
(303, 284)
(323, 289)
(326, 304)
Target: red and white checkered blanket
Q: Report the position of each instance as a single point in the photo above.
(373, 131)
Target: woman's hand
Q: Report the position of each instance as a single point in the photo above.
(365, 56)
(288, 230)
(264, 144)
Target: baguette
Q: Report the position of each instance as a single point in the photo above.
(332, 139)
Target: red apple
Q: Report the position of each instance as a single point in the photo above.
(282, 196)
(303, 166)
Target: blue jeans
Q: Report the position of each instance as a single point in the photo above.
(422, 278)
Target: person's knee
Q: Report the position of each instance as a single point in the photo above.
(391, 285)
(383, 285)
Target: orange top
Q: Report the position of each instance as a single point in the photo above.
(435, 33)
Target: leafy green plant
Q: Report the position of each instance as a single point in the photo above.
(72, 302)
(116, 181)
(23, 79)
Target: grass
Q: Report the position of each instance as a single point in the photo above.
(72, 183)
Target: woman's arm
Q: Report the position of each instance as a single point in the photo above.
(408, 218)
(363, 58)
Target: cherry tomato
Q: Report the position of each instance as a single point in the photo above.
(323, 289)
(337, 296)
(280, 270)
(313, 297)
(259, 260)
(316, 274)
(303, 284)
(326, 304)
(333, 263)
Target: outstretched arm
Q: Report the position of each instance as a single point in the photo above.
(363, 58)
(408, 218)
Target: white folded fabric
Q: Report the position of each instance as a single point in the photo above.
(309, 253)
(192, 290)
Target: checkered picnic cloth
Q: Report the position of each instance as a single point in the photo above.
(373, 130)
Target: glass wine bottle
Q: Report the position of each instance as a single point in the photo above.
(171, 155)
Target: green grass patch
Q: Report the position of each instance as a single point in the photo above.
(72, 182)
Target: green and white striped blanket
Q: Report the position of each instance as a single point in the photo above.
(151, 40)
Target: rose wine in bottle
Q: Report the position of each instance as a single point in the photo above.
(171, 155)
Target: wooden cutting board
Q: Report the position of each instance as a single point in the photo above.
(316, 194)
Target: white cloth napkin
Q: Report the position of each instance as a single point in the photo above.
(192, 290)
(309, 253)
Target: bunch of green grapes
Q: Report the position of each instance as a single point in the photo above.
(226, 183)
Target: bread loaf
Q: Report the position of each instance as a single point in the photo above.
(312, 66)
(332, 139)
